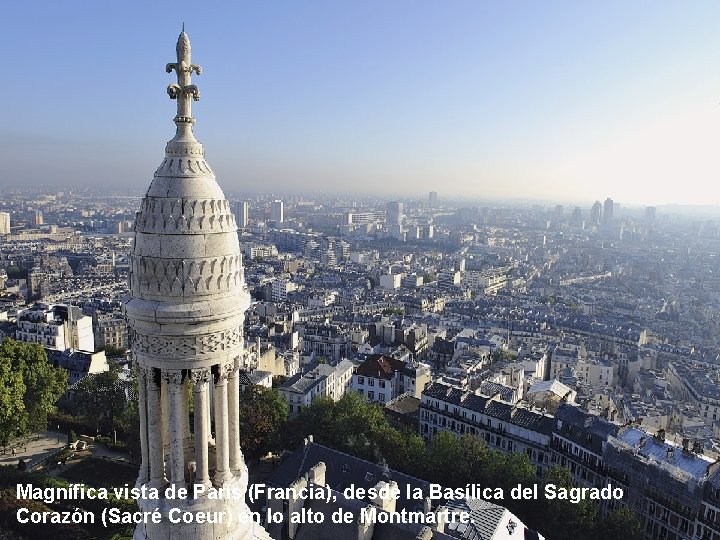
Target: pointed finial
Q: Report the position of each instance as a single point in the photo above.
(183, 91)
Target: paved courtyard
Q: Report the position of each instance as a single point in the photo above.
(32, 449)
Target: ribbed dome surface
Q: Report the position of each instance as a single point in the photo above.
(187, 290)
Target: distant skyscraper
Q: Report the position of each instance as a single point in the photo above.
(650, 215)
(277, 212)
(394, 213)
(595, 213)
(576, 218)
(433, 199)
(607, 211)
(243, 214)
(38, 217)
(394, 219)
(559, 211)
(4, 223)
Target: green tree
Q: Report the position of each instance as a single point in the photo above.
(315, 420)
(501, 354)
(111, 350)
(401, 450)
(442, 460)
(129, 420)
(44, 384)
(354, 424)
(561, 518)
(622, 523)
(351, 425)
(263, 415)
(13, 417)
(26, 374)
(101, 396)
(15, 272)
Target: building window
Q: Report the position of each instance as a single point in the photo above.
(710, 514)
(381, 397)
(361, 380)
(382, 384)
(371, 382)
(371, 395)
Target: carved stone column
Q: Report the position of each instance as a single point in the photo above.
(222, 440)
(185, 419)
(165, 422)
(236, 460)
(200, 379)
(174, 382)
(144, 474)
(155, 443)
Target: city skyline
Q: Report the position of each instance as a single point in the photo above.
(315, 366)
(562, 103)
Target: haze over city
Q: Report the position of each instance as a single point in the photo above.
(457, 276)
(554, 101)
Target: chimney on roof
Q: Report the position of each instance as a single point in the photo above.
(440, 512)
(670, 453)
(660, 435)
(317, 474)
(697, 447)
(385, 498)
(686, 445)
(365, 528)
(295, 503)
(425, 533)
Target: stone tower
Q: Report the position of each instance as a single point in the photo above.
(186, 307)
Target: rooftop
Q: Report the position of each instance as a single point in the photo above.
(652, 448)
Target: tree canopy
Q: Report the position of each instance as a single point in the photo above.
(263, 415)
(13, 416)
(622, 523)
(101, 396)
(29, 388)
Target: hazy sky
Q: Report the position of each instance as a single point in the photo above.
(554, 100)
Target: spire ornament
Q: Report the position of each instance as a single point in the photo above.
(183, 91)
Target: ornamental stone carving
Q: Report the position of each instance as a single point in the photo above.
(172, 378)
(184, 215)
(143, 372)
(223, 372)
(181, 346)
(178, 277)
(200, 376)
